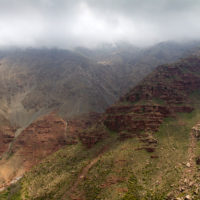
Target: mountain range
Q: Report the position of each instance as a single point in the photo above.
(109, 149)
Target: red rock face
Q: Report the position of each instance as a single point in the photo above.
(139, 118)
(47, 135)
(171, 84)
(77, 125)
(88, 137)
(40, 139)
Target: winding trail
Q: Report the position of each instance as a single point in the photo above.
(187, 181)
(191, 168)
(71, 193)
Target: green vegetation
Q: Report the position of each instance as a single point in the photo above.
(12, 193)
(133, 189)
(121, 173)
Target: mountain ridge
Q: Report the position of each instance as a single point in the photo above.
(134, 152)
(164, 93)
(139, 114)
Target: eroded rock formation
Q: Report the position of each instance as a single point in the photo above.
(164, 93)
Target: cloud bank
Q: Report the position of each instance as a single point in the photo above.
(69, 23)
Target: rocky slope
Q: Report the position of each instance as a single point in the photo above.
(36, 82)
(33, 80)
(41, 138)
(131, 64)
(158, 161)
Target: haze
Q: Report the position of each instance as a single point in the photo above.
(70, 23)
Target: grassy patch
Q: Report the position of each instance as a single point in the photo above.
(12, 193)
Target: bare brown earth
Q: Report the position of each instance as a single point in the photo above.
(188, 179)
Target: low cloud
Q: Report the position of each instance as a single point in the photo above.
(67, 23)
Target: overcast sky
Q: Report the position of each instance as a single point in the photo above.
(67, 23)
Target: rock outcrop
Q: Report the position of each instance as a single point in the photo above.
(196, 131)
(139, 118)
(76, 126)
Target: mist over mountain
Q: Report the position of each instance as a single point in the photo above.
(67, 24)
(99, 100)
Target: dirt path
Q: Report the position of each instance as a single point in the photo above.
(188, 179)
(191, 164)
(83, 174)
